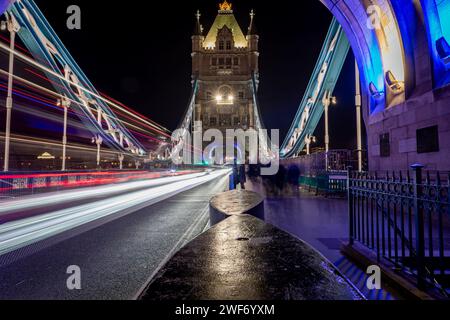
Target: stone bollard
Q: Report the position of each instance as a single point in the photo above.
(235, 203)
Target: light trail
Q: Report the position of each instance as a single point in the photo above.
(125, 111)
(32, 140)
(16, 45)
(144, 123)
(49, 71)
(51, 104)
(135, 112)
(16, 235)
(57, 95)
(26, 94)
(89, 179)
(54, 106)
(53, 198)
(35, 99)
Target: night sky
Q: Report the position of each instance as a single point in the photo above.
(140, 55)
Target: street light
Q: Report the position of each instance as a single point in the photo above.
(358, 103)
(121, 158)
(308, 140)
(98, 140)
(65, 103)
(327, 101)
(13, 27)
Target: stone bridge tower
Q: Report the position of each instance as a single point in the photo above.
(224, 61)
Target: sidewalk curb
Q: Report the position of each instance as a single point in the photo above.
(404, 285)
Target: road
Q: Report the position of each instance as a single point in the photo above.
(116, 256)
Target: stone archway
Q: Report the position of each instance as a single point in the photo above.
(383, 48)
(420, 46)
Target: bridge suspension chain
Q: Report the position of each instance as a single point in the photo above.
(321, 85)
(45, 46)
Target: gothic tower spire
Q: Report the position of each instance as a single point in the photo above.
(252, 28)
(198, 31)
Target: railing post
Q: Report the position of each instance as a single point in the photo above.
(350, 207)
(419, 220)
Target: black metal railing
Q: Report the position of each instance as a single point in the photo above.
(404, 217)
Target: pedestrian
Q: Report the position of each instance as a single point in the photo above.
(242, 176)
(235, 176)
(280, 180)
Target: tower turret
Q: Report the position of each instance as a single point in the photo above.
(197, 44)
(253, 43)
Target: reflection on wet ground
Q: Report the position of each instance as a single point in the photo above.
(320, 221)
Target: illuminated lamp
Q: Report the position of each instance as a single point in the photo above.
(395, 85)
(46, 156)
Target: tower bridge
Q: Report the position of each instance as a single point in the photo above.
(138, 199)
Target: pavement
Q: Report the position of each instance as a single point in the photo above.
(117, 258)
(322, 223)
(243, 258)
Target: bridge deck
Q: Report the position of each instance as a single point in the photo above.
(243, 258)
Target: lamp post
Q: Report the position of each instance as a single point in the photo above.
(13, 27)
(121, 158)
(358, 103)
(98, 140)
(327, 101)
(65, 103)
(308, 140)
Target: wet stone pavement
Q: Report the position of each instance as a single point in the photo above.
(243, 258)
(319, 221)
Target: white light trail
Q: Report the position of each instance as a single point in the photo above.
(60, 96)
(55, 198)
(71, 83)
(18, 234)
(32, 140)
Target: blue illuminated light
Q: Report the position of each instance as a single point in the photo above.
(437, 16)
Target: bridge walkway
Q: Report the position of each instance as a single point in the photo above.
(322, 222)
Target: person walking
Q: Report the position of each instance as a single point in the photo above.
(242, 176)
(234, 179)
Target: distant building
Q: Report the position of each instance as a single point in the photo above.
(224, 61)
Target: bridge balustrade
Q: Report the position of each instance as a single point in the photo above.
(405, 219)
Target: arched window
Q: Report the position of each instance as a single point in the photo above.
(225, 96)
